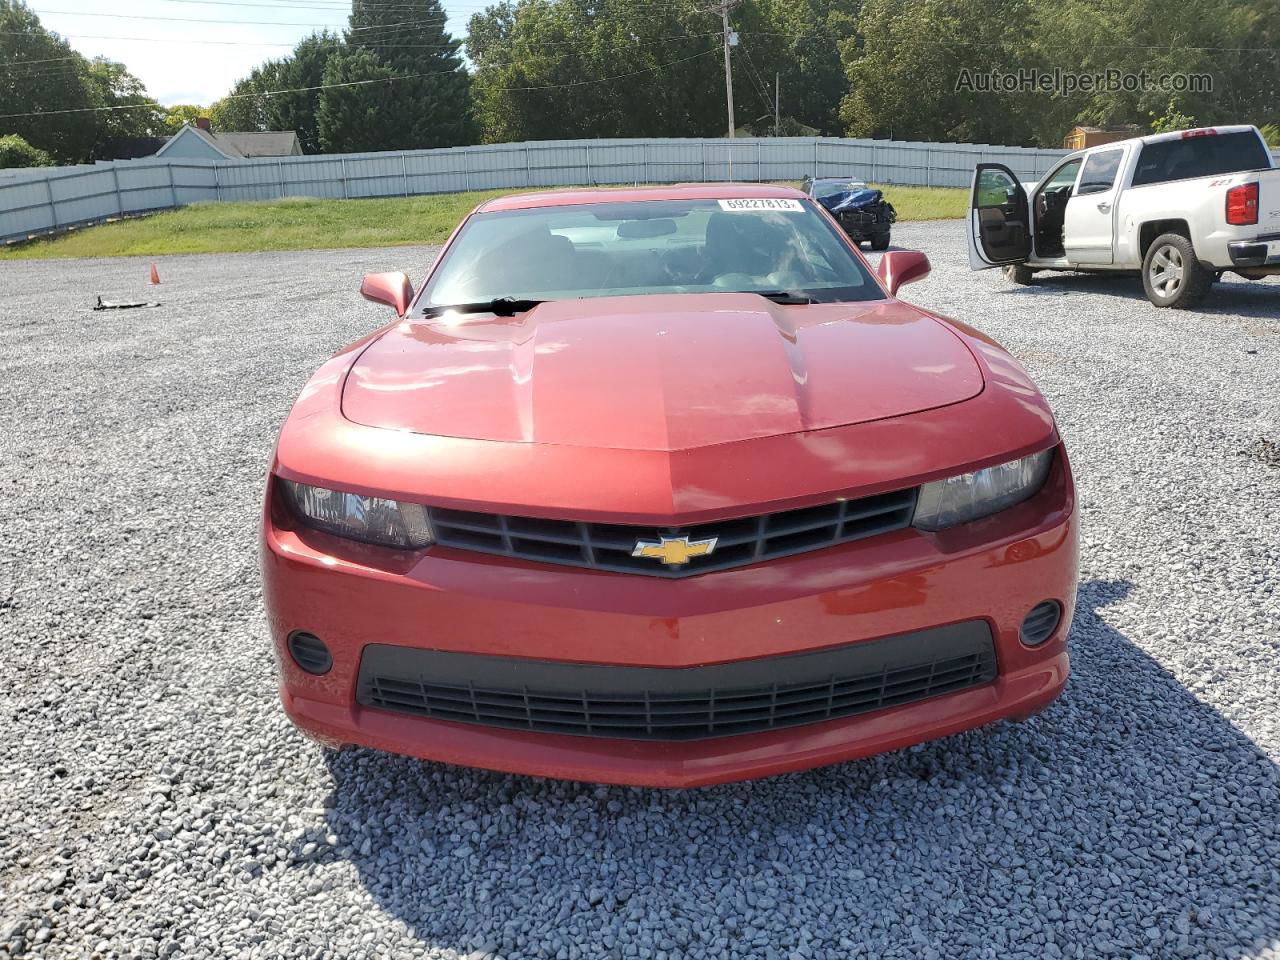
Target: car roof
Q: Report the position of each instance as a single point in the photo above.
(679, 191)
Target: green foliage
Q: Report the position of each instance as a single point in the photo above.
(245, 107)
(795, 42)
(305, 68)
(1271, 133)
(549, 69)
(537, 64)
(115, 87)
(906, 65)
(425, 102)
(354, 119)
(42, 75)
(432, 92)
(59, 83)
(181, 114)
(904, 58)
(16, 152)
(1172, 119)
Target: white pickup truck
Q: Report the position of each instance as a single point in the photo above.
(1182, 208)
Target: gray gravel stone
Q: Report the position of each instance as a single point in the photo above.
(154, 789)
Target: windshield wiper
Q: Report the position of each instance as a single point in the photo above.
(787, 298)
(499, 306)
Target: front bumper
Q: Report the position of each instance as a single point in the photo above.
(353, 596)
(864, 224)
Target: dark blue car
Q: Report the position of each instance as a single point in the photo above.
(863, 211)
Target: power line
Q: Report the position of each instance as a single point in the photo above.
(226, 43)
(260, 23)
(920, 41)
(19, 63)
(152, 105)
(335, 5)
(620, 76)
(760, 86)
(72, 69)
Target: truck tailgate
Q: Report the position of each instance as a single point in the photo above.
(1269, 201)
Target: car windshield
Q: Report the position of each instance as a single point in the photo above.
(773, 246)
(827, 188)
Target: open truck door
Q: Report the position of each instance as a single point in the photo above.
(999, 218)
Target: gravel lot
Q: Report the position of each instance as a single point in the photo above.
(155, 801)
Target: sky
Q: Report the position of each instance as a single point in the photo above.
(178, 59)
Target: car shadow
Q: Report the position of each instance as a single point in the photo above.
(1128, 819)
(1232, 295)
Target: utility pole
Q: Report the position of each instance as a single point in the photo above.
(728, 64)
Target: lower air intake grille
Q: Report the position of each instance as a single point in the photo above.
(732, 543)
(686, 703)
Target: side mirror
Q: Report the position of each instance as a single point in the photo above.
(901, 267)
(393, 289)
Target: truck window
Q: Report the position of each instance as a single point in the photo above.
(1099, 172)
(1203, 156)
(1064, 176)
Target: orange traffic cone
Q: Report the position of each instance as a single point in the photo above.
(155, 276)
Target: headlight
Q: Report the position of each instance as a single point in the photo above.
(390, 523)
(968, 496)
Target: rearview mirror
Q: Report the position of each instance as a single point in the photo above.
(393, 289)
(902, 267)
(645, 229)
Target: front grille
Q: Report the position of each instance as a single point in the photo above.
(607, 546)
(862, 218)
(686, 703)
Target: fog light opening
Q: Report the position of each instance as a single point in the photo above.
(1041, 622)
(309, 652)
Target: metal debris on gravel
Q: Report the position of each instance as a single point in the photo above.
(155, 802)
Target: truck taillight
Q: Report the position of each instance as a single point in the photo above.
(1242, 205)
(1206, 132)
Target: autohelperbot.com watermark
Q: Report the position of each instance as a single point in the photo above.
(1066, 83)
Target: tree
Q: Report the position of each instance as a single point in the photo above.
(246, 107)
(16, 152)
(75, 106)
(41, 74)
(1132, 36)
(916, 70)
(547, 69)
(404, 43)
(128, 111)
(796, 42)
(304, 68)
(180, 114)
(409, 38)
(353, 119)
(905, 57)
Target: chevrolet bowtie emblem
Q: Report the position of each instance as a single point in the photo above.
(674, 551)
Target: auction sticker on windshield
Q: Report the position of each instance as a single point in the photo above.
(751, 204)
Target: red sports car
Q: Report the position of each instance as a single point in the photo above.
(665, 487)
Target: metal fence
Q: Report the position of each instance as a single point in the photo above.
(45, 200)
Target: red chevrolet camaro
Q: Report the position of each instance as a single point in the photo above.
(665, 486)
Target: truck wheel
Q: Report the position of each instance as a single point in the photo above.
(1019, 274)
(1171, 274)
(880, 241)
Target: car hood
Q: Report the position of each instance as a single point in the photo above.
(658, 372)
(849, 199)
